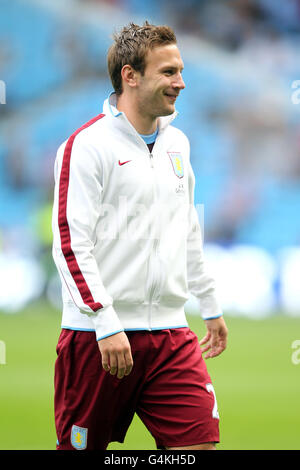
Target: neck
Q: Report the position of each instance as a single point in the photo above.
(143, 123)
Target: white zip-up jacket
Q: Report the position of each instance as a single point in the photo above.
(127, 241)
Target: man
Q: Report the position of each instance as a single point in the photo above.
(127, 245)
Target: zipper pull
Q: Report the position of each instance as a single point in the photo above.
(151, 160)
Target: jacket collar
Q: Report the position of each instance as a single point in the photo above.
(110, 109)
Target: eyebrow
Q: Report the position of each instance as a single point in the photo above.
(172, 67)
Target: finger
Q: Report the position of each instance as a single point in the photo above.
(214, 345)
(215, 342)
(105, 361)
(222, 344)
(223, 340)
(216, 349)
(206, 348)
(121, 365)
(125, 363)
(113, 364)
(214, 353)
(129, 362)
(205, 339)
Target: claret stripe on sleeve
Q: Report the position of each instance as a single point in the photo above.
(64, 228)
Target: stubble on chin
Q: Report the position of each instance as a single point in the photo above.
(154, 108)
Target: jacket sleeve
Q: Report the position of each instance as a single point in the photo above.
(200, 283)
(76, 210)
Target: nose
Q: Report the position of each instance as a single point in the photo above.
(179, 83)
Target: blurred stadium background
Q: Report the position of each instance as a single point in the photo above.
(241, 112)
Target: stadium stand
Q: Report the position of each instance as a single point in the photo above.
(236, 109)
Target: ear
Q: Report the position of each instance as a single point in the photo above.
(129, 76)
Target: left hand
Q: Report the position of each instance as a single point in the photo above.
(216, 337)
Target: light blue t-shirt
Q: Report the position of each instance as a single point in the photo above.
(150, 138)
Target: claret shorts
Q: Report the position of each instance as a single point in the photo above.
(169, 388)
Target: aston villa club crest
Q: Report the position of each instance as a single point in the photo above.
(79, 437)
(177, 163)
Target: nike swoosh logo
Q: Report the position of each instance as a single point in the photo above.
(123, 163)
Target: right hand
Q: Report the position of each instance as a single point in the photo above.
(116, 354)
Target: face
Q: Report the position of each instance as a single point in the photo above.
(159, 87)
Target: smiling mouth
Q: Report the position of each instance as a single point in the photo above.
(170, 96)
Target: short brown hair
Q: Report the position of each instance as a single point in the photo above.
(131, 46)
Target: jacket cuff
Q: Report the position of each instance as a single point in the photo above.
(210, 308)
(106, 322)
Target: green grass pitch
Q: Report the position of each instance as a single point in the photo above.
(256, 382)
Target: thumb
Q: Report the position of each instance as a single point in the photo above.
(205, 339)
(214, 344)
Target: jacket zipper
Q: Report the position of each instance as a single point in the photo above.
(151, 160)
(155, 277)
(154, 254)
